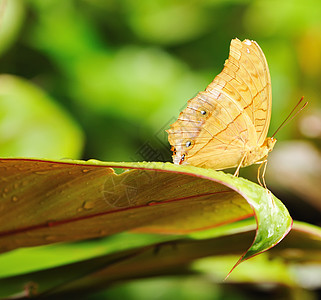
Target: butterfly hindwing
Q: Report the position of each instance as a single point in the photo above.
(230, 116)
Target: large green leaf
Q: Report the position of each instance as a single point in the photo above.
(44, 202)
(138, 259)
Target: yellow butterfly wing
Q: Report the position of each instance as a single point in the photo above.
(231, 117)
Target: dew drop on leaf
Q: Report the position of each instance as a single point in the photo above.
(14, 198)
(41, 172)
(50, 238)
(152, 203)
(88, 205)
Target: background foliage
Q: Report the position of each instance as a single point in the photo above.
(104, 79)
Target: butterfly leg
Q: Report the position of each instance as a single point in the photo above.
(236, 174)
(264, 162)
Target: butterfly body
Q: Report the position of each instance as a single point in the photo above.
(226, 125)
(259, 153)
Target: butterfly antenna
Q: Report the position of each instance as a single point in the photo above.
(289, 118)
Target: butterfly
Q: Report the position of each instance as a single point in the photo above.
(226, 125)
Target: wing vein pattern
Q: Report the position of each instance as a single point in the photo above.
(230, 117)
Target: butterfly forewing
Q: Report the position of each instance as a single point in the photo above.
(231, 116)
(248, 82)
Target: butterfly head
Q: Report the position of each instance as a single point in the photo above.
(178, 159)
(269, 143)
(180, 149)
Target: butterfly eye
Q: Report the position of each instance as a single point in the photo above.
(203, 112)
(188, 144)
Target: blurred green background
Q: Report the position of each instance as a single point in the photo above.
(103, 79)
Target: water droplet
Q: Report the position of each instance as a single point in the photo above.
(41, 172)
(150, 203)
(85, 170)
(55, 165)
(88, 204)
(14, 198)
(50, 238)
(5, 190)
